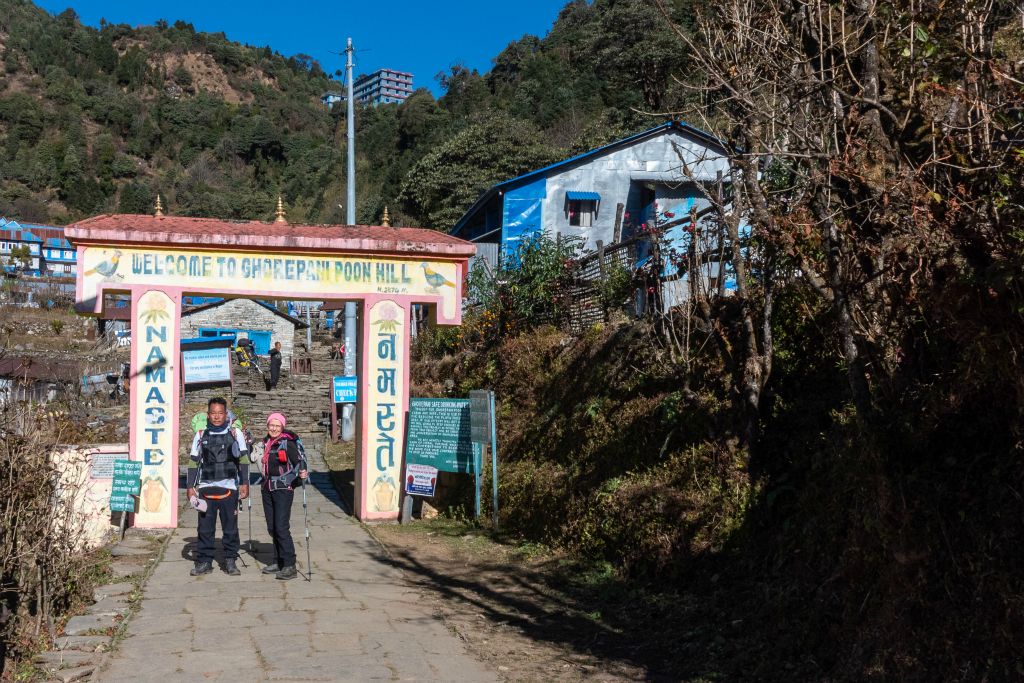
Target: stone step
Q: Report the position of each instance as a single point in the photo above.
(112, 606)
(62, 659)
(78, 673)
(83, 643)
(111, 589)
(80, 626)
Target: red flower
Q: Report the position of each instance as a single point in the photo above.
(669, 214)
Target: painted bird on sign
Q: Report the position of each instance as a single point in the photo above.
(108, 267)
(435, 279)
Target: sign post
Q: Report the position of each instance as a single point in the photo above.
(205, 363)
(439, 441)
(343, 390)
(126, 485)
(482, 428)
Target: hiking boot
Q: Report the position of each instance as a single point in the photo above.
(231, 569)
(270, 569)
(201, 568)
(287, 573)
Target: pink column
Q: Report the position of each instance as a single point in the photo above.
(153, 425)
(383, 404)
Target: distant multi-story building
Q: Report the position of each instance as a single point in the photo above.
(383, 86)
(48, 251)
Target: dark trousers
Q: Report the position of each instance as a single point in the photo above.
(277, 507)
(275, 375)
(227, 509)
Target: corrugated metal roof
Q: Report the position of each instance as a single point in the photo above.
(580, 195)
(22, 368)
(18, 235)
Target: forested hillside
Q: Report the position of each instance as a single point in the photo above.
(96, 120)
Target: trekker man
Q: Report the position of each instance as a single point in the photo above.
(275, 365)
(218, 476)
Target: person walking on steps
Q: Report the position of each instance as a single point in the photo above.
(218, 477)
(275, 366)
(283, 467)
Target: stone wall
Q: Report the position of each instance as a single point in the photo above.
(302, 399)
(244, 314)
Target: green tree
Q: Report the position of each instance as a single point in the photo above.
(21, 257)
(137, 198)
(442, 185)
(132, 69)
(104, 152)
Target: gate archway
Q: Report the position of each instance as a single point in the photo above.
(160, 259)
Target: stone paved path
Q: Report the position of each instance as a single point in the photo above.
(356, 620)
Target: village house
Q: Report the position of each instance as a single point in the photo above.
(49, 252)
(35, 380)
(603, 195)
(607, 196)
(236, 318)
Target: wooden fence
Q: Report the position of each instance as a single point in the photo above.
(586, 307)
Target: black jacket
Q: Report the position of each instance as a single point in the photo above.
(271, 466)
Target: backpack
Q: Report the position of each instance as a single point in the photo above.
(287, 479)
(227, 457)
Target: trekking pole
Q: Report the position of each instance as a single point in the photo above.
(305, 523)
(249, 500)
(236, 525)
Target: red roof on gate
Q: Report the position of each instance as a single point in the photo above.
(182, 231)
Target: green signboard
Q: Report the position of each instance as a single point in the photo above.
(126, 484)
(439, 434)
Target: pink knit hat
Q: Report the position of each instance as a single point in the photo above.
(279, 417)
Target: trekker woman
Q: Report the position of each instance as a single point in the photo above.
(283, 466)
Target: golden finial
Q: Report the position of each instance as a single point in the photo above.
(280, 211)
(159, 207)
(386, 219)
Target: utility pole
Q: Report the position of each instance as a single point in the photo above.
(348, 410)
(350, 207)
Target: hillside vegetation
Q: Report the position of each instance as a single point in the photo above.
(821, 472)
(100, 120)
(819, 476)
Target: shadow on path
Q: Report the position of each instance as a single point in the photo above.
(337, 487)
(524, 599)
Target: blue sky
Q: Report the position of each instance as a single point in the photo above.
(422, 37)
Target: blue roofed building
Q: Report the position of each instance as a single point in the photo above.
(59, 257)
(606, 195)
(50, 252)
(13, 238)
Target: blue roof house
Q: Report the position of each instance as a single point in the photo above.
(13, 236)
(51, 253)
(604, 195)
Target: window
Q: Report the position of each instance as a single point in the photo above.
(67, 269)
(581, 212)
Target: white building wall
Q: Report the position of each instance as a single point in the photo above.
(243, 314)
(659, 159)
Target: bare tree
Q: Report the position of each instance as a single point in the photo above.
(869, 141)
(43, 563)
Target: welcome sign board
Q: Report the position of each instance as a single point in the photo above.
(236, 271)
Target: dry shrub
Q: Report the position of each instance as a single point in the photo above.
(44, 570)
(599, 450)
(654, 521)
